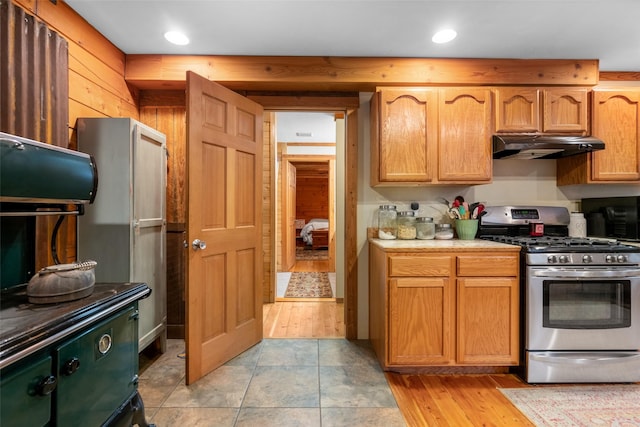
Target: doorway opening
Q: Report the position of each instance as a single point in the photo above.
(309, 158)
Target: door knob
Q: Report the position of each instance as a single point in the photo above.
(199, 244)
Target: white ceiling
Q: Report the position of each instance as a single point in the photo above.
(608, 30)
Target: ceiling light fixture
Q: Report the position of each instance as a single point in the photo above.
(176, 37)
(444, 36)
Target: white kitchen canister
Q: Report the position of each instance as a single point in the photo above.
(577, 225)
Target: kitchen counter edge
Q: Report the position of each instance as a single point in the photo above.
(440, 245)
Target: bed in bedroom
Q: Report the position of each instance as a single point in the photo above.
(315, 233)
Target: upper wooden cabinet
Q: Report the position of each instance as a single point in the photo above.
(423, 136)
(542, 110)
(464, 143)
(404, 132)
(616, 120)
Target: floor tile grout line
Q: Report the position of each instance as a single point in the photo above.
(253, 372)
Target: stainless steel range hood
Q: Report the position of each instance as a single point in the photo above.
(542, 146)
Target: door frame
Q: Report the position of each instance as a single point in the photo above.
(349, 105)
(330, 161)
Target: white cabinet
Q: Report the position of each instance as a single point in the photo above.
(124, 230)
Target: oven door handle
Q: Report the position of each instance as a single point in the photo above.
(586, 273)
(585, 358)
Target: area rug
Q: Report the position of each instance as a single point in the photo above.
(308, 254)
(582, 406)
(309, 285)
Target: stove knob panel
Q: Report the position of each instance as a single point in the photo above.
(587, 259)
(622, 258)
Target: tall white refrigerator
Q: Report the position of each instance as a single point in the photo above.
(124, 230)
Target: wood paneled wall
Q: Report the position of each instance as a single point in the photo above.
(312, 196)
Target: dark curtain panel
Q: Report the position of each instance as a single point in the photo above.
(34, 81)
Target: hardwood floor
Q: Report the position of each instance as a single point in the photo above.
(303, 319)
(456, 400)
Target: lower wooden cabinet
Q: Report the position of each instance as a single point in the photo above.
(444, 308)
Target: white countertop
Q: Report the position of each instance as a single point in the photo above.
(452, 244)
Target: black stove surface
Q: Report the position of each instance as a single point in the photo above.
(548, 244)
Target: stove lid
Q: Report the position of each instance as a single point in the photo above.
(524, 215)
(35, 172)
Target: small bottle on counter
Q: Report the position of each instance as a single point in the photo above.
(444, 231)
(406, 225)
(387, 222)
(577, 225)
(425, 228)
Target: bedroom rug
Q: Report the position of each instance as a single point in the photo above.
(580, 406)
(309, 285)
(304, 254)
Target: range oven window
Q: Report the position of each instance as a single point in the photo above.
(601, 304)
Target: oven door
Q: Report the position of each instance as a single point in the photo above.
(582, 308)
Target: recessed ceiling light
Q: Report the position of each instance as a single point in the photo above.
(444, 36)
(176, 37)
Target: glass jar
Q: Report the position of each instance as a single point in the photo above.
(444, 231)
(425, 228)
(387, 222)
(406, 225)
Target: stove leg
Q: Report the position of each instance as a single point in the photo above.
(137, 405)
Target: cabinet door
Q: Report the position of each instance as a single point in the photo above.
(464, 147)
(616, 120)
(566, 110)
(148, 240)
(517, 110)
(420, 321)
(487, 323)
(403, 135)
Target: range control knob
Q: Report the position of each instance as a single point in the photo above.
(610, 258)
(563, 259)
(622, 258)
(71, 366)
(587, 259)
(551, 259)
(46, 386)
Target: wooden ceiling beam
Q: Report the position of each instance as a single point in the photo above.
(360, 74)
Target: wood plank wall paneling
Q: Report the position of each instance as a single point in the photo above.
(312, 197)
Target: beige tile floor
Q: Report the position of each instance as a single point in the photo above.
(278, 382)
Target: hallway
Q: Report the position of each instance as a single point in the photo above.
(278, 382)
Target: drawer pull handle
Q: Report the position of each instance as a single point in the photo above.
(71, 366)
(47, 385)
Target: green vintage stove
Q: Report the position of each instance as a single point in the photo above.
(71, 357)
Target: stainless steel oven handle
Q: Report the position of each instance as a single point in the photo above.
(586, 273)
(583, 359)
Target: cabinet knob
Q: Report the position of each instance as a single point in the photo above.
(46, 385)
(71, 366)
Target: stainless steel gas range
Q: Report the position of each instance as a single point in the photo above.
(580, 298)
